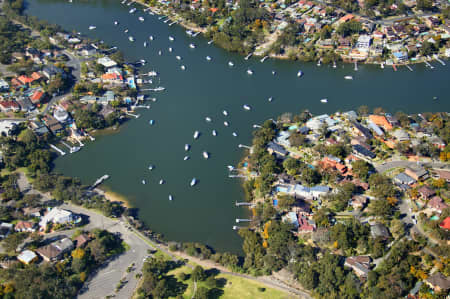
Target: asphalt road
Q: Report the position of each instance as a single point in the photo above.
(393, 164)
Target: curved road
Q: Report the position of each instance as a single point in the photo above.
(394, 164)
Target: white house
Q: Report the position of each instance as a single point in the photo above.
(56, 215)
(106, 62)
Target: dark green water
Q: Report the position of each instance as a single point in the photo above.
(206, 212)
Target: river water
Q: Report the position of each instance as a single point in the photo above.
(206, 212)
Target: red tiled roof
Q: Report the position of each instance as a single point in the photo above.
(36, 97)
(445, 224)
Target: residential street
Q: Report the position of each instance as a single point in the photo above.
(393, 164)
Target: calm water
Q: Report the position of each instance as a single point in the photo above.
(206, 212)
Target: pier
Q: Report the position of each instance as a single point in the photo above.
(235, 227)
(72, 149)
(428, 64)
(242, 220)
(173, 23)
(131, 114)
(439, 60)
(394, 67)
(409, 68)
(356, 66)
(57, 149)
(236, 176)
(141, 106)
(264, 59)
(242, 145)
(100, 180)
(238, 204)
(248, 56)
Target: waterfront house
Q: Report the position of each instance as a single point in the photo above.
(52, 124)
(375, 128)
(283, 139)
(359, 129)
(106, 110)
(418, 173)
(380, 120)
(112, 78)
(438, 282)
(88, 50)
(27, 257)
(436, 204)
(400, 56)
(359, 264)
(277, 149)
(426, 192)
(57, 216)
(362, 152)
(25, 226)
(106, 62)
(9, 105)
(403, 178)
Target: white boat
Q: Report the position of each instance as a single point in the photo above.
(123, 2)
(186, 158)
(170, 197)
(171, 38)
(195, 34)
(247, 107)
(264, 59)
(230, 167)
(299, 74)
(92, 27)
(159, 88)
(143, 182)
(133, 10)
(159, 52)
(151, 122)
(116, 23)
(150, 37)
(214, 132)
(141, 19)
(208, 119)
(270, 99)
(131, 39)
(250, 72)
(178, 57)
(142, 61)
(126, 31)
(274, 73)
(226, 124)
(334, 64)
(324, 100)
(225, 112)
(145, 44)
(129, 3)
(382, 65)
(348, 77)
(150, 167)
(234, 134)
(183, 68)
(208, 58)
(193, 182)
(205, 155)
(196, 134)
(161, 181)
(192, 46)
(170, 49)
(230, 63)
(187, 147)
(210, 42)
(189, 32)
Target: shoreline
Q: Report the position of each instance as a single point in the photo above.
(193, 27)
(114, 197)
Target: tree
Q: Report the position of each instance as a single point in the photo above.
(297, 139)
(310, 176)
(363, 110)
(380, 207)
(198, 274)
(253, 249)
(285, 202)
(397, 228)
(361, 169)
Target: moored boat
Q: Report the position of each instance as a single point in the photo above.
(214, 132)
(170, 197)
(230, 63)
(250, 72)
(205, 155)
(226, 124)
(193, 182)
(192, 46)
(141, 19)
(324, 100)
(208, 58)
(171, 38)
(208, 119)
(183, 68)
(348, 77)
(187, 147)
(92, 27)
(131, 39)
(247, 107)
(299, 74)
(196, 134)
(186, 158)
(225, 112)
(234, 134)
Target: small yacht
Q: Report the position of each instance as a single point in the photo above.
(189, 32)
(225, 112)
(131, 39)
(348, 77)
(178, 57)
(141, 19)
(230, 167)
(192, 46)
(161, 181)
(230, 63)
(234, 134)
(170, 197)
(145, 44)
(171, 38)
(183, 68)
(170, 49)
(116, 23)
(133, 10)
(250, 72)
(247, 107)
(205, 155)
(144, 182)
(196, 134)
(92, 27)
(214, 132)
(151, 122)
(150, 167)
(208, 119)
(382, 65)
(270, 99)
(142, 61)
(299, 74)
(187, 147)
(226, 124)
(210, 42)
(274, 73)
(208, 58)
(193, 182)
(159, 52)
(126, 31)
(150, 37)
(324, 100)
(186, 158)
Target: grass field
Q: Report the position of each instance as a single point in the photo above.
(234, 287)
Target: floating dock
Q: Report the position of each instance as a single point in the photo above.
(100, 180)
(57, 149)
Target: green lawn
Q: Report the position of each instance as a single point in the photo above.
(235, 287)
